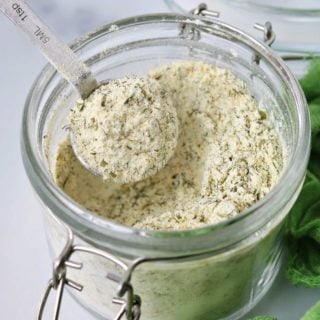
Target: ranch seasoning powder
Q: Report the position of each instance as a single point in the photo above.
(126, 130)
(227, 157)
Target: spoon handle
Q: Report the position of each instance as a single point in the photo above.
(56, 51)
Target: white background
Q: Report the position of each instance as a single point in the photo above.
(25, 264)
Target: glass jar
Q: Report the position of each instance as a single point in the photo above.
(296, 22)
(215, 272)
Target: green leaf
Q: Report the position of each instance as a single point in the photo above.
(314, 167)
(314, 108)
(313, 313)
(303, 223)
(304, 236)
(303, 263)
(305, 215)
(310, 82)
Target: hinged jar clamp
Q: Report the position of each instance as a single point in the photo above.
(130, 305)
(129, 302)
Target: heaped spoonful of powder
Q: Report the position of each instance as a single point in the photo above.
(126, 130)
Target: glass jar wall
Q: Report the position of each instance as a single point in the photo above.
(230, 265)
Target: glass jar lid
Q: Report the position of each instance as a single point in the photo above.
(296, 22)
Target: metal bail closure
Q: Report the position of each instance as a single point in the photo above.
(59, 280)
(269, 37)
(200, 10)
(129, 302)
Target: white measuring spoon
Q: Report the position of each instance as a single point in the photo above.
(56, 51)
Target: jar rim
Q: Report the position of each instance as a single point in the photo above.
(310, 11)
(79, 218)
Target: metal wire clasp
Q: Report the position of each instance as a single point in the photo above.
(59, 279)
(200, 10)
(130, 304)
(269, 37)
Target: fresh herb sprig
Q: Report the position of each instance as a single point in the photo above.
(303, 224)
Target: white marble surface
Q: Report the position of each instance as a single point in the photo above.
(25, 263)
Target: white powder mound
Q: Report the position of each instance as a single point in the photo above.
(126, 130)
(228, 157)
